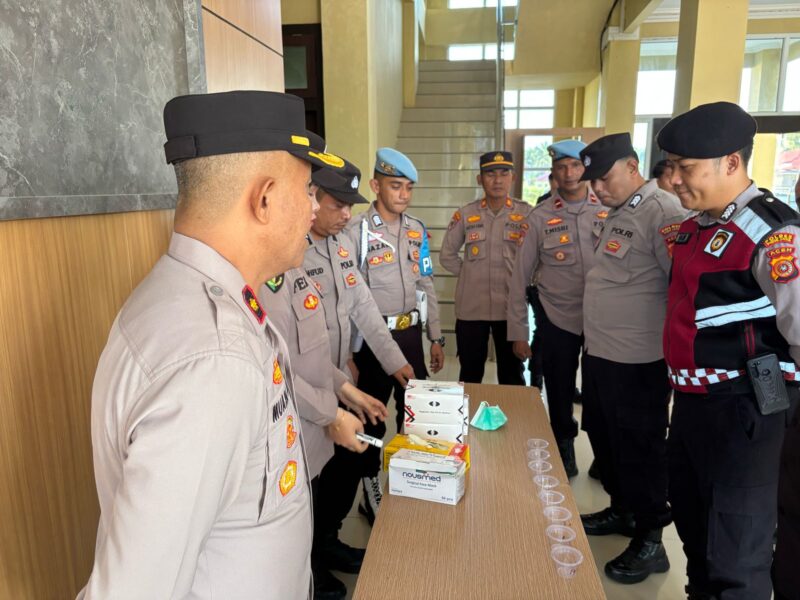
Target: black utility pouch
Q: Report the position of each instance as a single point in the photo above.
(767, 379)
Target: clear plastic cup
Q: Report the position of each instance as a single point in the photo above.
(551, 497)
(560, 534)
(557, 514)
(545, 482)
(540, 467)
(537, 444)
(538, 454)
(567, 560)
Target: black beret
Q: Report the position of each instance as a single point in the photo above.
(496, 160)
(708, 131)
(599, 156)
(241, 121)
(342, 183)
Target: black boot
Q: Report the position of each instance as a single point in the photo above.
(692, 593)
(643, 556)
(566, 448)
(594, 470)
(338, 556)
(608, 521)
(326, 586)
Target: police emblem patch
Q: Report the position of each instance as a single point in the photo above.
(474, 236)
(377, 221)
(613, 246)
(555, 221)
(277, 374)
(564, 239)
(560, 255)
(311, 302)
(728, 212)
(779, 238)
(291, 433)
(784, 264)
(343, 252)
(635, 201)
(354, 183)
(388, 257)
(252, 303)
(475, 250)
(288, 478)
(350, 279)
(602, 214)
(587, 160)
(275, 284)
(473, 218)
(719, 242)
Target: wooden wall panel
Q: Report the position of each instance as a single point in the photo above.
(63, 282)
(236, 62)
(259, 18)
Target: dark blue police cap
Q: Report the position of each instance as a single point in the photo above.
(342, 183)
(599, 156)
(240, 121)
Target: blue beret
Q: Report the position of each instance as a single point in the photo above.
(566, 149)
(393, 163)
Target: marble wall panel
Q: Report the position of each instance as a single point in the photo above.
(82, 87)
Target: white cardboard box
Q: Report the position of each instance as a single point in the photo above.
(427, 408)
(449, 432)
(427, 476)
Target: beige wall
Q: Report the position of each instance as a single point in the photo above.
(363, 77)
(300, 12)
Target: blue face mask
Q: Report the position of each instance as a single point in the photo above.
(488, 417)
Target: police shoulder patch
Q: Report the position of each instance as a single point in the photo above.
(275, 284)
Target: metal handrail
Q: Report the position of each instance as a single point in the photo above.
(500, 71)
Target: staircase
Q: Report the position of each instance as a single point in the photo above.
(452, 124)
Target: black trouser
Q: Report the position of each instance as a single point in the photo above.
(340, 477)
(786, 568)
(560, 353)
(723, 485)
(472, 345)
(535, 363)
(626, 413)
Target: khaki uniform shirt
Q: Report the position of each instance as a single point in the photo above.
(295, 308)
(198, 454)
(393, 265)
(625, 300)
(558, 250)
(490, 247)
(331, 263)
(784, 295)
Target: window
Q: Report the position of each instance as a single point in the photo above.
(787, 167)
(655, 84)
(641, 135)
(760, 75)
(479, 51)
(791, 87)
(529, 109)
(536, 167)
(478, 3)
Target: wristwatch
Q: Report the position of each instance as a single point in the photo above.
(440, 341)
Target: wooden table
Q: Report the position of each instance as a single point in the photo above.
(492, 545)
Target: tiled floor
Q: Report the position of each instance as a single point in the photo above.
(590, 497)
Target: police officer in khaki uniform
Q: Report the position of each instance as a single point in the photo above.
(199, 463)
(294, 308)
(626, 390)
(558, 250)
(330, 262)
(395, 260)
(732, 346)
(490, 230)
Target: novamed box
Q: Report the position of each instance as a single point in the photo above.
(439, 447)
(427, 476)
